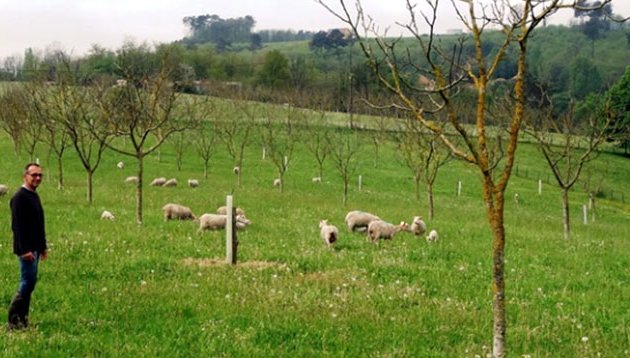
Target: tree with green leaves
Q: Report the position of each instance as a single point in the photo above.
(618, 107)
(274, 72)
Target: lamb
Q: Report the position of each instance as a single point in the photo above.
(170, 182)
(277, 182)
(418, 226)
(158, 181)
(132, 179)
(316, 179)
(177, 212)
(218, 222)
(223, 211)
(120, 165)
(106, 215)
(328, 232)
(3, 189)
(193, 183)
(433, 236)
(359, 220)
(379, 229)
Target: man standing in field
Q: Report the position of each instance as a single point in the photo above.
(29, 242)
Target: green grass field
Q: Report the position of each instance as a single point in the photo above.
(160, 289)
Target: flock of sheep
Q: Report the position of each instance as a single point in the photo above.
(375, 227)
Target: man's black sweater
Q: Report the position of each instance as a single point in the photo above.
(27, 222)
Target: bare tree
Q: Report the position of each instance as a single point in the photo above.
(144, 110)
(279, 134)
(424, 155)
(315, 141)
(344, 147)
(205, 140)
(10, 112)
(437, 78)
(41, 99)
(180, 141)
(567, 146)
(235, 132)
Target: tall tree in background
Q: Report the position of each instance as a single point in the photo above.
(398, 72)
(618, 100)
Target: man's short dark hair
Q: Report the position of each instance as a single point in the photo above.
(33, 164)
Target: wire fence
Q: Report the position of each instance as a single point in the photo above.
(547, 178)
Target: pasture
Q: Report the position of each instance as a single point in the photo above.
(160, 289)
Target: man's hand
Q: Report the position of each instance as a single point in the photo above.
(29, 256)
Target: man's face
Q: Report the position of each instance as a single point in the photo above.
(33, 177)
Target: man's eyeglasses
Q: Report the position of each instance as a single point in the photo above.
(35, 175)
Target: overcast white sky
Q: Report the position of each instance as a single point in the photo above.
(74, 25)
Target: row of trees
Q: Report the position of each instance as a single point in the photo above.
(438, 106)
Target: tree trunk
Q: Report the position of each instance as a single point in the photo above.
(495, 209)
(60, 171)
(205, 169)
(139, 190)
(345, 191)
(430, 197)
(565, 213)
(90, 174)
(416, 180)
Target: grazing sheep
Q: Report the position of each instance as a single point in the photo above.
(418, 226)
(329, 233)
(170, 182)
(316, 179)
(106, 215)
(433, 236)
(158, 181)
(359, 220)
(193, 183)
(516, 197)
(120, 165)
(223, 211)
(380, 229)
(277, 182)
(3, 189)
(236, 170)
(132, 179)
(218, 221)
(177, 212)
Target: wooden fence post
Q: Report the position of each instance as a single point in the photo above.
(231, 242)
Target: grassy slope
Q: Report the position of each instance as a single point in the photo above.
(120, 289)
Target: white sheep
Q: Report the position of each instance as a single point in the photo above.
(106, 215)
(3, 189)
(316, 179)
(380, 229)
(328, 232)
(193, 183)
(433, 236)
(277, 182)
(170, 183)
(418, 226)
(236, 170)
(132, 179)
(223, 210)
(218, 222)
(516, 198)
(177, 212)
(158, 181)
(120, 165)
(359, 220)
